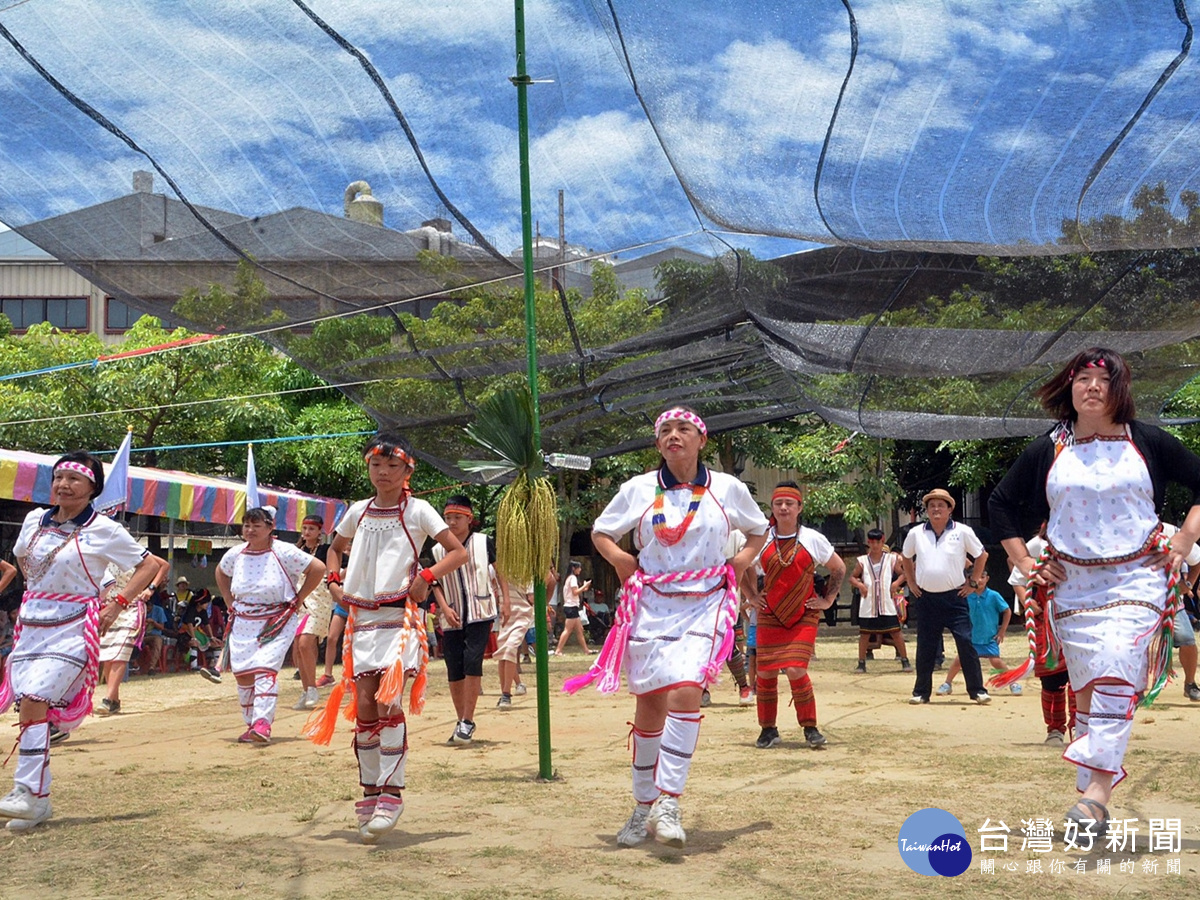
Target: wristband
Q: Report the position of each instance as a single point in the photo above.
(427, 575)
(121, 601)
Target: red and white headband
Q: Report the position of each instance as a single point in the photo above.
(83, 470)
(452, 508)
(395, 451)
(1098, 364)
(682, 415)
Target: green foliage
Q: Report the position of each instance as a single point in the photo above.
(843, 473)
(504, 425)
(247, 304)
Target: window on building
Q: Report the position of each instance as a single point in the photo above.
(118, 316)
(67, 313)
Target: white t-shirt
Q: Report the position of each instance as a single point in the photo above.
(941, 560)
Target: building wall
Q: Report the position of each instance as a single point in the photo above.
(25, 278)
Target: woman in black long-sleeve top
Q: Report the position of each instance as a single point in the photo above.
(1098, 479)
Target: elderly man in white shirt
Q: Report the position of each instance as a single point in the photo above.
(935, 557)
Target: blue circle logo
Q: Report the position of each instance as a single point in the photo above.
(933, 842)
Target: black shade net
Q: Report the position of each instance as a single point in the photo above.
(949, 154)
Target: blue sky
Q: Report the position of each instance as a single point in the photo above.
(962, 124)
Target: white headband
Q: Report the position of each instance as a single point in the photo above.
(78, 467)
(682, 415)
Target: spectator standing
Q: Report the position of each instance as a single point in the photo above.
(990, 615)
(935, 557)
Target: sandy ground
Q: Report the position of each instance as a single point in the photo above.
(161, 801)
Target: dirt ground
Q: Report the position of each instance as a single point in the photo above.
(161, 801)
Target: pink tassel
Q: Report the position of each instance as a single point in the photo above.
(607, 668)
(80, 706)
(7, 695)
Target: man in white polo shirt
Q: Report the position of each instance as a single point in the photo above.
(941, 548)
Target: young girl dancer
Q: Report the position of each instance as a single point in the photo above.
(384, 641)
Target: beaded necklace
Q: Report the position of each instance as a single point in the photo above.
(670, 535)
(794, 538)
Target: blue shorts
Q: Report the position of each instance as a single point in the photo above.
(751, 636)
(339, 610)
(1185, 635)
(988, 650)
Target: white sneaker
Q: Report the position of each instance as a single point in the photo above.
(388, 808)
(519, 690)
(633, 832)
(945, 688)
(311, 698)
(300, 703)
(1055, 738)
(364, 811)
(983, 698)
(24, 809)
(664, 822)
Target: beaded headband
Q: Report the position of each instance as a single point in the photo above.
(452, 508)
(787, 492)
(682, 415)
(83, 470)
(395, 451)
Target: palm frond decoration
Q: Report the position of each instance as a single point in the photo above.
(527, 516)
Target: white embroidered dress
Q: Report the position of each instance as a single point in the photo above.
(263, 584)
(383, 562)
(1102, 519)
(677, 625)
(64, 565)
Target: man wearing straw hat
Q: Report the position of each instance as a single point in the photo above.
(935, 556)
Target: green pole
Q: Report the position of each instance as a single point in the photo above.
(522, 81)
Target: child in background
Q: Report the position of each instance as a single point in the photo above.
(990, 615)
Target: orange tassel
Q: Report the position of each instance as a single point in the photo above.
(321, 723)
(391, 685)
(416, 699)
(350, 710)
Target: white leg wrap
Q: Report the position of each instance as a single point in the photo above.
(366, 748)
(1101, 747)
(680, 736)
(393, 751)
(645, 761)
(246, 699)
(1082, 775)
(266, 692)
(33, 758)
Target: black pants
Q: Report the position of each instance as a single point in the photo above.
(941, 610)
